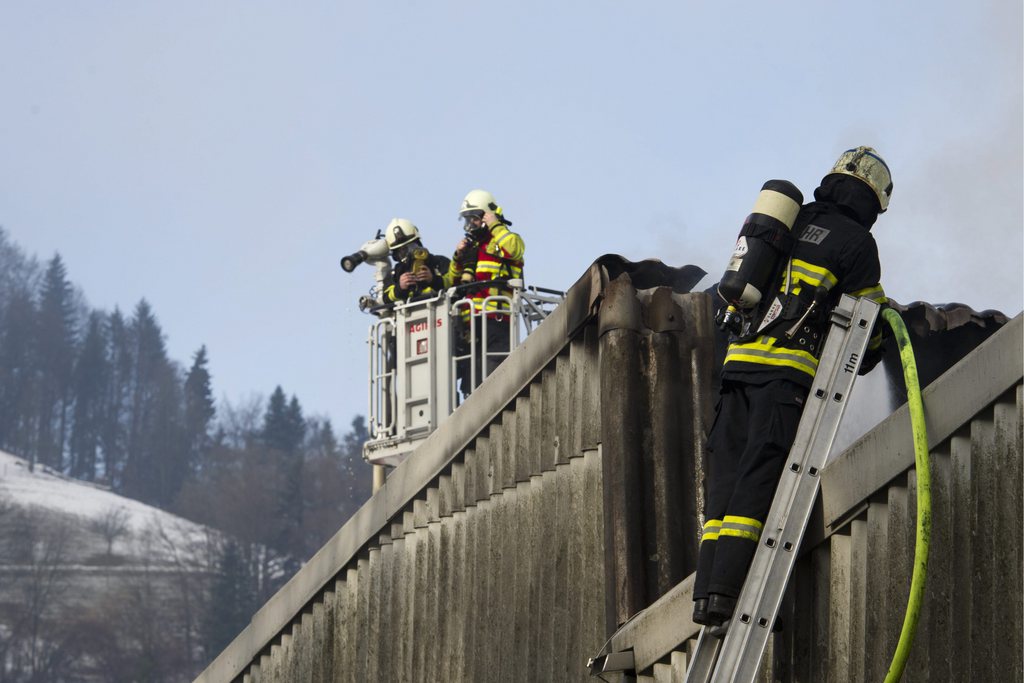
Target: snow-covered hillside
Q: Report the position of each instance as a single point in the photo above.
(134, 530)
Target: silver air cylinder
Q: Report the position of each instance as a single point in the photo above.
(762, 245)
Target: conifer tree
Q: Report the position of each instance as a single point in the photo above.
(199, 410)
(114, 432)
(283, 432)
(55, 354)
(232, 601)
(283, 426)
(92, 373)
(154, 412)
(356, 472)
(165, 448)
(18, 386)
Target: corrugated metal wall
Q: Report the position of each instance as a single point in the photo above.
(849, 596)
(495, 573)
(656, 367)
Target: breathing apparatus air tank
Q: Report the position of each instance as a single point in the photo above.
(763, 243)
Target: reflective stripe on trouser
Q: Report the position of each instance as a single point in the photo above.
(740, 527)
(763, 351)
(753, 430)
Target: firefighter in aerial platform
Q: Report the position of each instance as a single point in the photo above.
(806, 257)
(417, 271)
(489, 251)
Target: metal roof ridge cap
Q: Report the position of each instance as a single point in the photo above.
(662, 309)
(620, 309)
(950, 401)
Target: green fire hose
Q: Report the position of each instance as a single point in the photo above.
(924, 497)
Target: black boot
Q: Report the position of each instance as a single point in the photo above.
(720, 608)
(700, 611)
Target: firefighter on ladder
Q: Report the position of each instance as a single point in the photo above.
(490, 251)
(768, 371)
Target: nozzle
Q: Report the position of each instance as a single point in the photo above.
(349, 263)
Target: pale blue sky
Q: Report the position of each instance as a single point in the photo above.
(218, 158)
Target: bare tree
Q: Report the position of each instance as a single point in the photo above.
(193, 556)
(37, 646)
(112, 525)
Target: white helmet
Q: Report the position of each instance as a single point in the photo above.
(479, 201)
(864, 164)
(400, 232)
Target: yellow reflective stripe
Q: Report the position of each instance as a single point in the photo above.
(741, 527)
(494, 268)
(711, 528)
(874, 293)
(507, 238)
(763, 351)
(748, 521)
(509, 242)
(740, 533)
(781, 362)
(813, 275)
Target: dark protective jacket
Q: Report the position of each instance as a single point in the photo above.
(833, 251)
(438, 266)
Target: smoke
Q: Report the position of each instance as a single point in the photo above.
(953, 232)
(871, 402)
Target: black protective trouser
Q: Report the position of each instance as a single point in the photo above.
(754, 428)
(497, 341)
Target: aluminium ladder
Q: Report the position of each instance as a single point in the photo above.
(733, 652)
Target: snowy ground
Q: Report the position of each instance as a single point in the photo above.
(148, 532)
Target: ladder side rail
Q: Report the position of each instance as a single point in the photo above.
(702, 664)
(530, 312)
(762, 594)
(486, 354)
(519, 316)
(455, 313)
(445, 349)
(399, 390)
(382, 378)
(371, 413)
(434, 418)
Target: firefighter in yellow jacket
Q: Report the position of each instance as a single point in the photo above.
(489, 254)
(767, 374)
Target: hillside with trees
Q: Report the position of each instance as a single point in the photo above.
(92, 395)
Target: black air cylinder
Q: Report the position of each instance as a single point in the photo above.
(763, 242)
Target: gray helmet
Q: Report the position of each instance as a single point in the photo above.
(866, 165)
